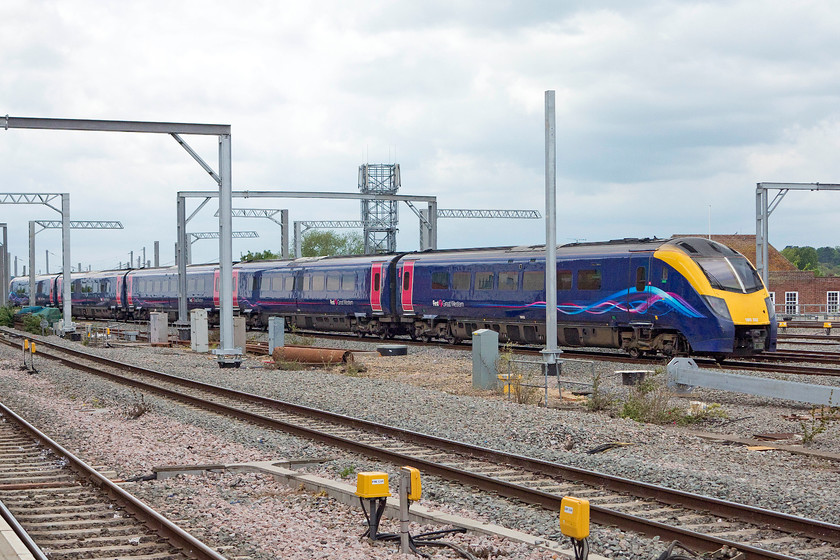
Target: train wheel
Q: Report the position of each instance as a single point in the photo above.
(426, 338)
(634, 352)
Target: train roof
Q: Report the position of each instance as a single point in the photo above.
(693, 246)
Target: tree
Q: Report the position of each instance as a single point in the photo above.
(317, 243)
(804, 258)
(259, 256)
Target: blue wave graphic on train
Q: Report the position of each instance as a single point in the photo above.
(655, 300)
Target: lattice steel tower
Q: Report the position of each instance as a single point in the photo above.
(380, 217)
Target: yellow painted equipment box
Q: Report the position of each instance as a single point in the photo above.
(574, 517)
(372, 485)
(415, 488)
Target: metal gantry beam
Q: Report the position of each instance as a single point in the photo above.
(227, 354)
(52, 224)
(4, 267)
(47, 200)
(215, 235)
(470, 213)
(80, 224)
(764, 207)
(268, 213)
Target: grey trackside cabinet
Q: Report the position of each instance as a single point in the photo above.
(198, 331)
(158, 328)
(239, 333)
(276, 334)
(485, 355)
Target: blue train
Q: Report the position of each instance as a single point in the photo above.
(670, 296)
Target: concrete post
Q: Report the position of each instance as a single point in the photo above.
(181, 260)
(284, 233)
(485, 355)
(550, 351)
(68, 326)
(157, 254)
(32, 294)
(405, 481)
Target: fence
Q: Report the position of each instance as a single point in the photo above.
(518, 377)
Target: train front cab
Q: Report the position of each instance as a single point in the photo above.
(733, 294)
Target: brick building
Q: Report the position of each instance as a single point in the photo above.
(794, 291)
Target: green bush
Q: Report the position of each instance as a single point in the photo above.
(649, 401)
(32, 324)
(7, 316)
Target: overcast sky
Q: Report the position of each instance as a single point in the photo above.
(668, 113)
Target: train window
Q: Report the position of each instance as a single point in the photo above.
(191, 284)
(508, 280)
(461, 281)
(157, 287)
(333, 282)
(307, 282)
(376, 282)
(484, 280)
(406, 281)
(348, 282)
(589, 279)
(277, 284)
(440, 280)
(199, 284)
(288, 283)
(564, 279)
(77, 286)
(318, 282)
(641, 279)
(533, 280)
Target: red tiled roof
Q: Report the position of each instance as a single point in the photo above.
(745, 244)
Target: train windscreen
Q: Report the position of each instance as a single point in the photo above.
(732, 274)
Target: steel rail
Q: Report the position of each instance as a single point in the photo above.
(780, 521)
(189, 545)
(21, 533)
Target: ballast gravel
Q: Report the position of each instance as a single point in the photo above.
(429, 390)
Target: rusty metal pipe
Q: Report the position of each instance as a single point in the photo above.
(309, 355)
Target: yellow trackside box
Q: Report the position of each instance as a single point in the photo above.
(574, 517)
(414, 489)
(372, 485)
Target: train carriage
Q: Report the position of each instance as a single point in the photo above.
(670, 296)
(95, 295)
(674, 296)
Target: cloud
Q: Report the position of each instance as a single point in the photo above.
(662, 108)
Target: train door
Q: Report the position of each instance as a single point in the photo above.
(119, 297)
(376, 278)
(407, 287)
(639, 290)
(216, 297)
(129, 290)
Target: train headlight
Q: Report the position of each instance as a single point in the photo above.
(719, 306)
(771, 309)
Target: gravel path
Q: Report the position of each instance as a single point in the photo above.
(428, 390)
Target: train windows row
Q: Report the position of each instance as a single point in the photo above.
(166, 285)
(532, 280)
(318, 282)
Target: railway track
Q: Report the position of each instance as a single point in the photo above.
(69, 510)
(648, 509)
